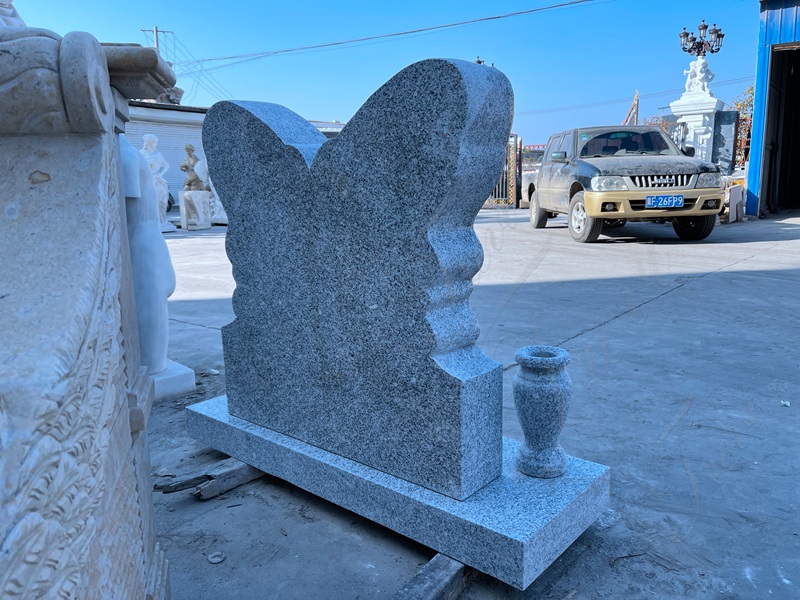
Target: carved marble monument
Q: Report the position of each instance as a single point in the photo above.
(200, 208)
(218, 216)
(352, 369)
(9, 17)
(196, 204)
(697, 108)
(76, 515)
(192, 182)
(158, 167)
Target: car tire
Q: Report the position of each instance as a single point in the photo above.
(582, 227)
(538, 215)
(692, 229)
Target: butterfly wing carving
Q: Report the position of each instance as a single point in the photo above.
(353, 330)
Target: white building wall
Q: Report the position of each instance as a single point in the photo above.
(175, 127)
(174, 130)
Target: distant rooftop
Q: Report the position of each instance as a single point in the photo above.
(329, 128)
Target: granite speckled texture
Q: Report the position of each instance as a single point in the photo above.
(512, 529)
(542, 390)
(353, 260)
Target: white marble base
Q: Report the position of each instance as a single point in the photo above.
(696, 103)
(698, 111)
(196, 210)
(175, 380)
(167, 227)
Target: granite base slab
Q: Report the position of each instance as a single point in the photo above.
(175, 380)
(512, 529)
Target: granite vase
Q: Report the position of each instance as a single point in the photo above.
(542, 389)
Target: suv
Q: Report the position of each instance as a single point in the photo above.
(607, 176)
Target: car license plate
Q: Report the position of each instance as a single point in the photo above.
(671, 201)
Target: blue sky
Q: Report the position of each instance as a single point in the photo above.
(586, 56)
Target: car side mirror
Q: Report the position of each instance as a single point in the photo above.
(688, 151)
(559, 157)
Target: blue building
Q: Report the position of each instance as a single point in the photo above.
(775, 142)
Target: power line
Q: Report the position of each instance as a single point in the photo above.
(230, 65)
(247, 57)
(173, 49)
(198, 71)
(621, 100)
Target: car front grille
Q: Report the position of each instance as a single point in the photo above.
(661, 181)
(688, 204)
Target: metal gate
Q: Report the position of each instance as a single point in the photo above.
(506, 192)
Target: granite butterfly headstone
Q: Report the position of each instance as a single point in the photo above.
(352, 370)
(353, 259)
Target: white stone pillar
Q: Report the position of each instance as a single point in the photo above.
(697, 108)
(697, 111)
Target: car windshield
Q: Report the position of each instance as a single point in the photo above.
(612, 142)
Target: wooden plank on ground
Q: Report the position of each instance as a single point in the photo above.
(229, 474)
(222, 477)
(441, 579)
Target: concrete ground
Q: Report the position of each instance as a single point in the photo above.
(685, 382)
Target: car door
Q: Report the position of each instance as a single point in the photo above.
(562, 174)
(545, 172)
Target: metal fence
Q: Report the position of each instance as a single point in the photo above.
(506, 192)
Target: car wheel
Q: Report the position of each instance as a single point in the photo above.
(693, 229)
(582, 227)
(538, 215)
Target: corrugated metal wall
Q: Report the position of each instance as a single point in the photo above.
(780, 24)
(172, 138)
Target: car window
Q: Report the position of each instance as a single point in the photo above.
(552, 145)
(611, 142)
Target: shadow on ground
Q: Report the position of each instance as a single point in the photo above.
(684, 383)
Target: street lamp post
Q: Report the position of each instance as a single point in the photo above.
(699, 47)
(697, 107)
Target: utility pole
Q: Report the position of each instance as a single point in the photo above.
(632, 118)
(156, 31)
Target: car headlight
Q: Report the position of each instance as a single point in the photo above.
(709, 180)
(608, 183)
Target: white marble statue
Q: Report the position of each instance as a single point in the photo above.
(9, 16)
(201, 169)
(153, 275)
(691, 76)
(193, 182)
(698, 76)
(696, 109)
(199, 202)
(218, 216)
(158, 167)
